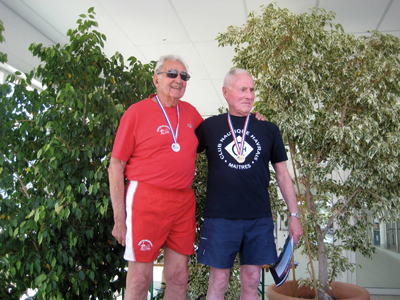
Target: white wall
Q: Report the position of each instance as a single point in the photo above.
(18, 36)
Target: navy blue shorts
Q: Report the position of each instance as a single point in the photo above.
(222, 239)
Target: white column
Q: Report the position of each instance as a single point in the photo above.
(382, 229)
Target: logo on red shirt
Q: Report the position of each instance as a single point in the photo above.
(163, 129)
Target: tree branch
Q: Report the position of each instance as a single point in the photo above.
(344, 113)
(341, 210)
(27, 161)
(24, 189)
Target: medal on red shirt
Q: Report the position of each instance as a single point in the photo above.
(240, 158)
(175, 146)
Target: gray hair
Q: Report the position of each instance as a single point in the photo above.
(161, 61)
(231, 74)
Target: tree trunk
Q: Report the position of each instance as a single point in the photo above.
(322, 267)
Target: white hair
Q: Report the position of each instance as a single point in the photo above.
(231, 75)
(161, 61)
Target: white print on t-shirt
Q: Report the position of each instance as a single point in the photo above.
(163, 129)
(232, 150)
(251, 149)
(145, 245)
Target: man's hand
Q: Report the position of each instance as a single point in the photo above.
(119, 232)
(295, 229)
(259, 116)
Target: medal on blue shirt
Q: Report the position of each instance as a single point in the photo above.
(240, 158)
(175, 146)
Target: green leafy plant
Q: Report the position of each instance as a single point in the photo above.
(55, 211)
(333, 95)
(3, 56)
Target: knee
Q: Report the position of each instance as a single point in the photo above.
(250, 281)
(219, 280)
(177, 277)
(138, 282)
(141, 283)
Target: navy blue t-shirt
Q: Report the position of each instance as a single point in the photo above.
(239, 190)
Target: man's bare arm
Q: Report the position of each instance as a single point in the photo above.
(116, 176)
(289, 195)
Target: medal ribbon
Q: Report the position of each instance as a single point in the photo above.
(174, 136)
(246, 124)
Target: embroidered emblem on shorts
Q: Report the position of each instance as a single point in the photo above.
(145, 245)
(189, 125)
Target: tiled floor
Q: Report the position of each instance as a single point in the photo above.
(380, 297)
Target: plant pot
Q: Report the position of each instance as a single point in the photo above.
(341, 291)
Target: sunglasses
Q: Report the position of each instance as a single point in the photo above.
(173, 73)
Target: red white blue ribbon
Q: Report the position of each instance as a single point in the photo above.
(174, 135)
(239, 148)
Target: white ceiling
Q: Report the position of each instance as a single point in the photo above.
(148, 29)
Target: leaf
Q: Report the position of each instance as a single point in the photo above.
(40, 237)
(92, 275)
(53, 262)
(39, 154)
(30, 214)
(40, 279)
(82, 188)
(37, 216)
(81, 275)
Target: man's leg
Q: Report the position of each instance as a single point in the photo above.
(176, 274)
(218, 282)
(250, 279)
(138, 280)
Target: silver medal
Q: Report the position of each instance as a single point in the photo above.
(240, 158)
(176, 147)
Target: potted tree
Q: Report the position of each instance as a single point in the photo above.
(333, 95)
